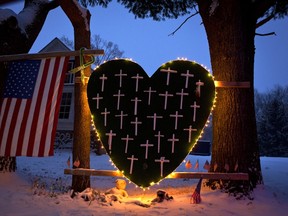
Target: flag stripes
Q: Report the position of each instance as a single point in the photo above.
(28, 122)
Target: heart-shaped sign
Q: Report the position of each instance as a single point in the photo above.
(149, 125)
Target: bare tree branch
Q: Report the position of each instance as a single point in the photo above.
(183, 23)
(267, 19)
(267, 34)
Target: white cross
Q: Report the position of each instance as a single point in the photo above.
(105, 113)
(110, 137)
(173, 140)
(127, 139)
(136, 100)
(162, 161)
(120, 75)
(168, 71)
(136, 122)
(149, 94)
(132, 162)
(195, 106)
(159, 140)
(121, 118)
(97, 98)
(166, 95)
(198, 88)
(181, 97)
(154, 117)
(103, 78)
(147, 145)
(176, 116)
(190, 129)
(119, 95)
(187, 75)
(137, 77)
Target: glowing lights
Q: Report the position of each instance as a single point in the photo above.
(182, 58)
(193, 141)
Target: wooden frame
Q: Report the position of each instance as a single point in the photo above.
(192, 175)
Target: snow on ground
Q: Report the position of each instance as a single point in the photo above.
(21, 192)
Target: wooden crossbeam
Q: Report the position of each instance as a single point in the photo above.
(210, 175)
(174, 175)
(225, 84)
(93, 172)
(48, 55)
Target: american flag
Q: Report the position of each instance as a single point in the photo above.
(196, 165)
(30, 106)
(206, 165)
(196, 198)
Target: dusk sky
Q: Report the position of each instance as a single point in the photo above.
(147, 41)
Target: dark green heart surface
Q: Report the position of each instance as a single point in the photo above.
(148, 125)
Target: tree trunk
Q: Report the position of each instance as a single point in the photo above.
(230, 31)
(82, 118)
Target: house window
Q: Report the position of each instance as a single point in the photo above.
(69, 78)
(65, 105)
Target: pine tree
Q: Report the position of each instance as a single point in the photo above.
(272, 123)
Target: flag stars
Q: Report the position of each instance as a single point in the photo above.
(21, 82)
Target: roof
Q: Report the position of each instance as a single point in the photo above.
(55, 45)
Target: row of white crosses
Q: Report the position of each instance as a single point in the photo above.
(137, 78)
(154, 117)
(161, 160)
(127, 139)
(159, 136)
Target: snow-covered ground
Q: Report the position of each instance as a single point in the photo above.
(21, 192)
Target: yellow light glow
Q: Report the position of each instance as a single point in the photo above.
(171, 175)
